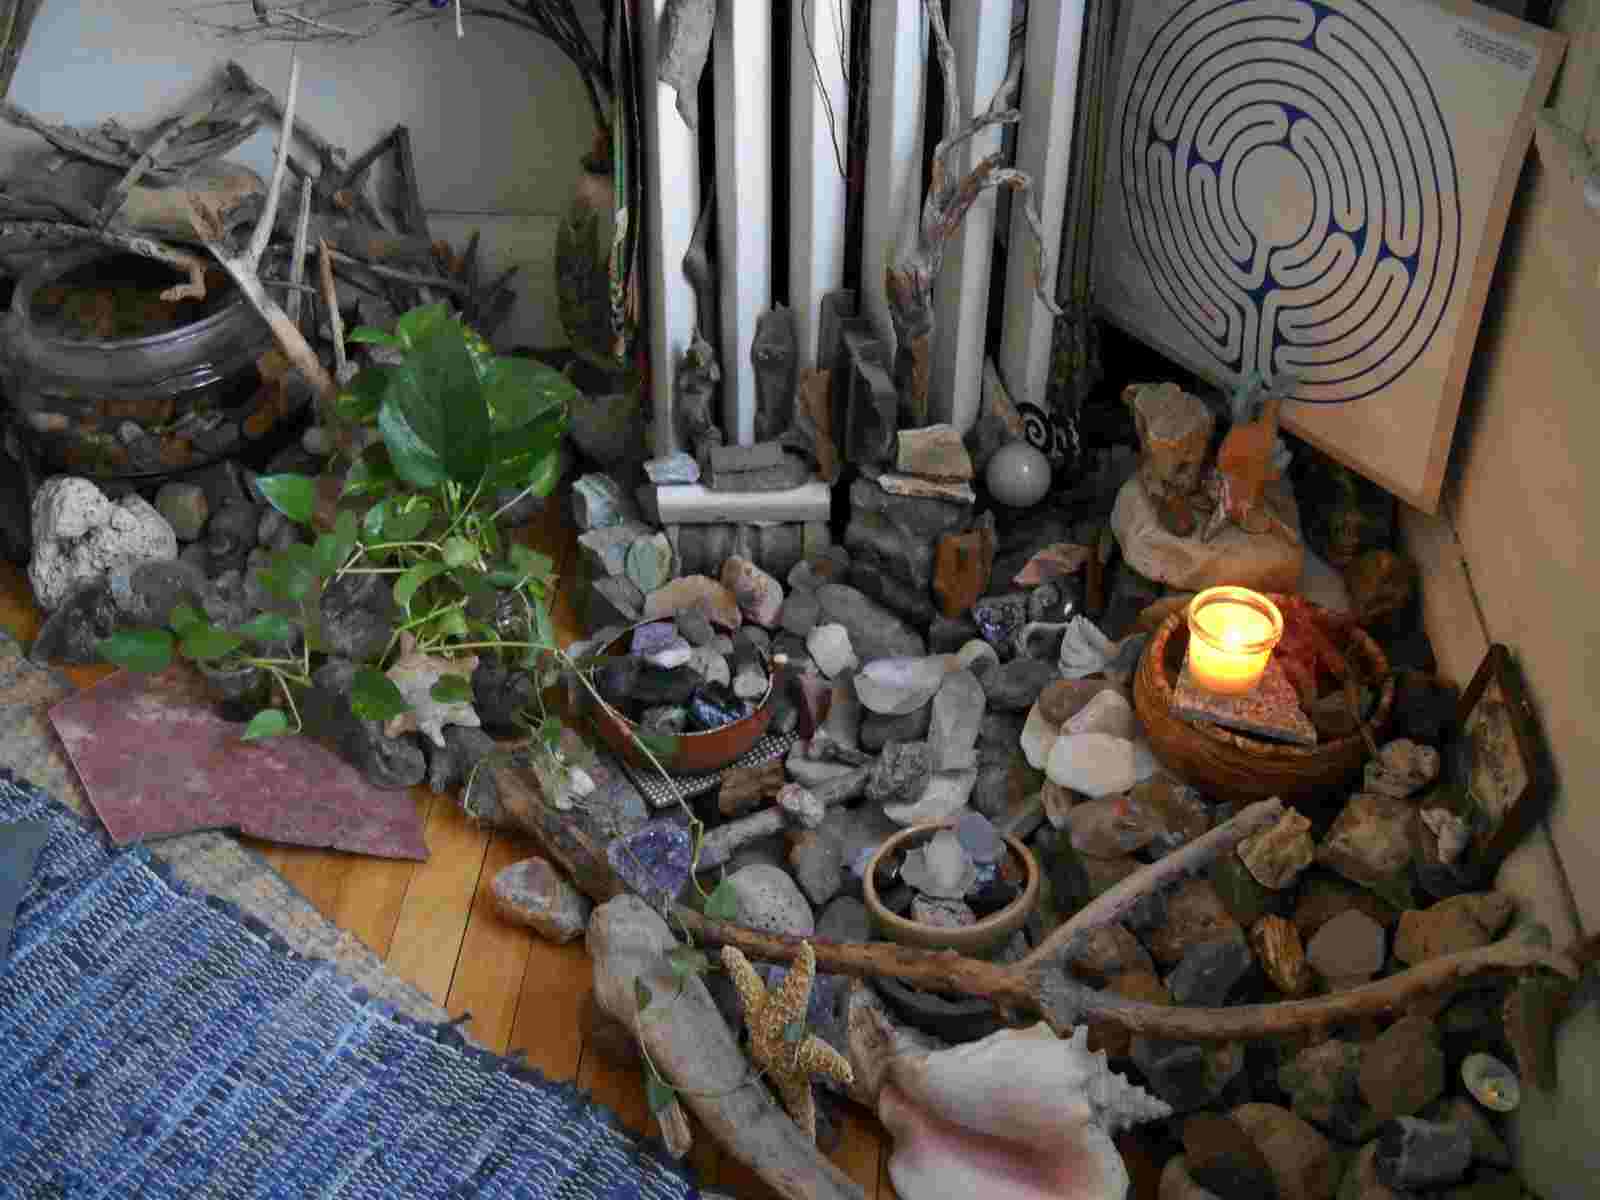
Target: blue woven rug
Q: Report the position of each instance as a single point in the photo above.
(156, 1043)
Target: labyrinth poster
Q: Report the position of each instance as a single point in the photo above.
(1315, 190)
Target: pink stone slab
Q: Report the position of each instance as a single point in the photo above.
(1271, 709)
(156, 760)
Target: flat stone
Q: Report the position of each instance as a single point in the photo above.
(613, 601)
(1487, 1145)
(1195, 914)
(1451, 926)
(927, 489)
(759, 595)
(677, 467)
(605, 549)
(1264, 562)
(1370, 841)
(1276, 856)
(1402, 1072)
(649, 562)
(800, 613)
(961, 567)
(1401, 769)
(746, 458)
(1016, 685)
(696, 504)
(789, 474)
(1209, 971)
(534, 893)
(896, 686)
(830, 648)
(1300, 1158)
(692, 591)
(933, 452)
(185, 508)
(878, 731)
(943, 796)
(923, 516)
(1224, 1159)
(1348, 950)
(1323, 1083)
(1108, 827)
(1270, 710)
(817, 863)
(958, 708)
(874, 631)
(1422, 1154)
(598, 501)
(1278, 948)
(769, 900)
(845, 919)
(873, 539)
(1098, 764)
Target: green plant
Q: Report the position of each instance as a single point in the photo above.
(458, 426)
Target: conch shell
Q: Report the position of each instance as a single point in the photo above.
(1019, 1115)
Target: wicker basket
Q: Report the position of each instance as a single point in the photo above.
(1237, 766)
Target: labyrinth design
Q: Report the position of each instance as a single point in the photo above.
(1291, 187)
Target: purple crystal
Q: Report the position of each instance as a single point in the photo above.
(654, 637)
(653, 861)
(978, 837)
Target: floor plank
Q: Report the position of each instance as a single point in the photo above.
(548, 1028)
(432, 920)
(621, 1089)
(494, 955)
(374, 889)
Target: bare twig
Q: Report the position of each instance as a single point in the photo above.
(59, 233)
(330, 301)
(297, 264)
(269, 214)
(416, 279)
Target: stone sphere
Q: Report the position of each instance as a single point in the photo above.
(1018, 475)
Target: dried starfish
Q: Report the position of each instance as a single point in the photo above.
(770, 1016)
(415, 674)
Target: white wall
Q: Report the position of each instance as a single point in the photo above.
(498, 120)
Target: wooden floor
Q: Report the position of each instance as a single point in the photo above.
(433, 925)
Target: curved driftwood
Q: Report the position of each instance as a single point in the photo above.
(685, 1037)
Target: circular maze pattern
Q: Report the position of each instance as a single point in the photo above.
(1291, 188)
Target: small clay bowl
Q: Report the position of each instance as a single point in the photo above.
(683, 753)
(986, 936)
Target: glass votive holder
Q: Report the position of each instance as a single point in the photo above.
(1232, 632)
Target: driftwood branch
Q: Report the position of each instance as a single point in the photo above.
(330, 301)
(269, 214)
(1067, 940)
(39, 234)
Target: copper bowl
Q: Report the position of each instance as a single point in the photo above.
(986, 936)
(682, 753)
(1235, 766)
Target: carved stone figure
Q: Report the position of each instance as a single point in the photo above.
(774, 353)
(695, 394)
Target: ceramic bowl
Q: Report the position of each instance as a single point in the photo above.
(986, 936)
(683, 753)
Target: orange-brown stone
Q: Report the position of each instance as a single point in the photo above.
(961, 568)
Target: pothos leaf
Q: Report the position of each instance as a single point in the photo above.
(686, 961)
(142, 650)
(723, 903)
(184, 617)
(657, 1093)
(206, 642)
(452, 689)
(295, 496)
(269, 722)
(406, 586)
(374, 697)
(268, 627)
(458, 552)
(401, 525)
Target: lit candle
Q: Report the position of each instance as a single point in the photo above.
(1232, 632)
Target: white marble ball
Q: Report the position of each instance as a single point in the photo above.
(1018, 475)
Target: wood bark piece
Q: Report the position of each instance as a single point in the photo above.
(720, 845)
(743, 788)
(297, 258)
(692, 1047)
(564, 841)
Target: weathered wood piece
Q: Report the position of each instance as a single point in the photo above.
(744, 788)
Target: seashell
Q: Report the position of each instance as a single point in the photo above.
(1084, 649)
(1019, 1115)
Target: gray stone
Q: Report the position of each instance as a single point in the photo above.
(1014, 686)
(1487, 1145)
(746, 458)
(946, 635)
(387, 762)
(871, 407)
(790, 473)
(899, 596)
(900, 773)
(878, 730)
(534, 893)
(916, 516)
(1185, 1074)
(231, 536)
(649, 562)
(147, 592)
(79, 536)
(72, 633)
(676, 467)
(770, 901)
(694, 626)
(958, 709)
(1348, 950)
(185, 507)
(604, 550)
(896, 686)
(874, 631)
(275, 531)
(845, 919)
(1000, 618)
(875, 539)
(598, 501)
(942, 797)
(452, 764)
(800, 613)
(1421, 1154)
(941, 913)
(991, 790)
(817, 862)
(358, 616)
(613, 601)
(1209, 971)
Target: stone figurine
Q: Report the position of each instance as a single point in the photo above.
(774, 353)
(695, 397)
(1174, 428)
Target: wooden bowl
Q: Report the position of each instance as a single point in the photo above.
(977, 940)
(1236, 766)
(682, 753)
